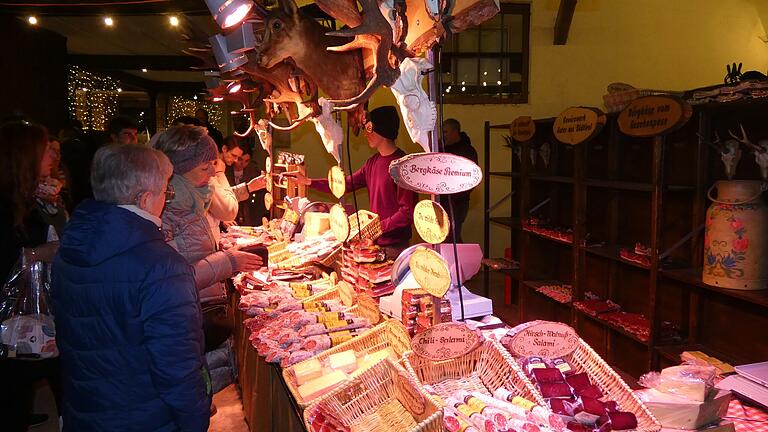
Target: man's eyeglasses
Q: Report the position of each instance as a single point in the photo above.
(170, 193)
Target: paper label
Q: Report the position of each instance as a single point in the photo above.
(430, 271)
(337, 181)
(543, 339)
(654, 115)
(431, 221)
(522, 129)
(268, 201)
(578, 124)
(339, 223)
(436, 173)
(411, 398)
(445, 341)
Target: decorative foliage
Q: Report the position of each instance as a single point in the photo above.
(92, 97)
(180, 106)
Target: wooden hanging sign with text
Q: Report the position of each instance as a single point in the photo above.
(522, 129)
(445, 341)
(346, 293)
(431, 221)
(430, 271)
(435, 173)
(654, 115)
(339, 223)
(578, 124)
(337, 181)
(409, 395)
(268, 201)
(542, 339)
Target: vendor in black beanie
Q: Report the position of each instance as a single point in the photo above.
(393, 204)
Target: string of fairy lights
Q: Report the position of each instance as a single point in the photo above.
(93, 98)
(182, 106)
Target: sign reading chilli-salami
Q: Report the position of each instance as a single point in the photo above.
(445, 341)
(542, 339)
(654, 115)
(435, 173)
(578, 124)
(522, 128)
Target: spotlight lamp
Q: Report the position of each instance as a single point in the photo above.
(32, 20)
(234, 87)
(228, 13)
(227, 61)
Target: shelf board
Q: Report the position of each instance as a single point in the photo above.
(513, 272)
(509, 221)
(672, 353)
(504, 174)
(614, 328)
(693, 277)
(533, 233)
(611, 252)
(633, 186)
(534, 284)
(553, 179)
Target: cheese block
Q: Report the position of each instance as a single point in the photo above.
(371, 359)
(316, 223)
(688, 381)
(682, 413)
(322, 385)
(345, 361)
(307, 370)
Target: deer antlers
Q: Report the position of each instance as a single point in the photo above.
(745, 140)
(375, 34)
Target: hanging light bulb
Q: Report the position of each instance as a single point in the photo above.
(108, 21)
(174, 20)
(32, 20)
(228, 13)
(234, 87)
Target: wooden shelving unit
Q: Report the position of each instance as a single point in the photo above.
(615, 191)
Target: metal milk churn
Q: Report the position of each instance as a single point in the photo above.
(736, 236)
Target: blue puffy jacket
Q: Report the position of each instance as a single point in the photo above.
(128, 326)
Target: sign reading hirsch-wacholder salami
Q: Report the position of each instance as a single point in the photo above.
(445, 341)
(431, 221)
(543, 339)
(654, 115)
(522, 128)
(435, 173)
(578, 124)
(430, 271)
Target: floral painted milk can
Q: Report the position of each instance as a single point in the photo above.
(736, 236)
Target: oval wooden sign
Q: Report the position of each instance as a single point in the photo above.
(339, 222)
(654, 115)
(268, 165)
(578, 124)
(268, 201)
(269, 183)
(346, 293)
(435, 173)
(543, 339)
(445, 341)
(522, 128)
(431, 221)
(337, 181)
(409, 395)
(430, 271)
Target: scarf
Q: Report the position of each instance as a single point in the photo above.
(189, 197)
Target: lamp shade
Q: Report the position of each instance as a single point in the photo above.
(226, 60)
(241, 39)
(228, 13)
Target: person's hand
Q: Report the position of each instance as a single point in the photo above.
(44, 252)
(299, 176)
(228, 224)
(219, 165)
(257, 183)
(246, 262)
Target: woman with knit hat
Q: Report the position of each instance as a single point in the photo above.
(393, 204)
(189, 228)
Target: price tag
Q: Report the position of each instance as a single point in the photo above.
(368, 309)
(337, 181)
(431, 221)
(430, 271)
(268, 201)
(339, 223)
(543, 339)
(445, 341)
(522, 129)
(268, 183)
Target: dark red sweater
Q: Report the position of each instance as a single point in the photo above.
(393, 204)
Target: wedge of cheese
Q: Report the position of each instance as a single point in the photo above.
(345, 361)
(307, 370)
(322, 385)
(371, 359)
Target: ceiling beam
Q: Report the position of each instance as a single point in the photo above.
(563, 21)
(133, 82)
(70, 8)
(135, 62)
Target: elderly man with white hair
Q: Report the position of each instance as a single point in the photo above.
(128, 317)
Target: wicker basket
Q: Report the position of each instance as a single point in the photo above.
(483, 370)
(371, 225)
(375, 402)
(390, 333)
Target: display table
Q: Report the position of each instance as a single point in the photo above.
(267, 404)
